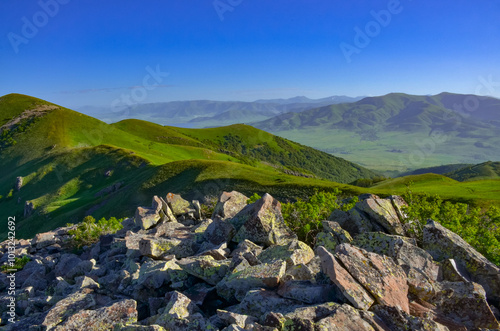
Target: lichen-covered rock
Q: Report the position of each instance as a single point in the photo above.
(350, 288)
(385, 280)
(158, 247)
(258, 303)
(296, 252)
(73, 303)
(240, 281)
(443, 244)
(43, 240)
(205, 267)
(178, 205)
(262, 223)
(137, 327)
(421, 270)
(229, 204)
(119, 313)
(146, 218)
(65, 264)
(465, 303)
(182, 314)
(331, 236)
(154, 274)
(307, 292)
(345, 317)
(234, 318)
(219, 232)
(382, 212)
(167, 212)
(396, 319)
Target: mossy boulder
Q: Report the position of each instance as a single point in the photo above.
(205, 267)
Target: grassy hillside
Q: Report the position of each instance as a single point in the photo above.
(397, 132)
(486, 170)
(479, 193)
(73, 165)
(439, 170)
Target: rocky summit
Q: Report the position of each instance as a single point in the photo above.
(172, 268)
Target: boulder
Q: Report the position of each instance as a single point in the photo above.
(295, 252)
(63, 309)
(258, 303)
(233, 318)
(219, 232)
(307, 292)
(345, 317)
(205, 268)
(396, 319)
(119, 313)
(155, 274)
(178, 205)
(229, 204)
(241, 280)
(350, 288)
(146, 218)
(262, 223)
(331, 236)
(444, 244)
(159, 247)
(384, 280)
(465, 304)
(382, 213)
(43, 240)
(182, 314)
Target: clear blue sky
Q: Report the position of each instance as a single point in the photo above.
(92, 52)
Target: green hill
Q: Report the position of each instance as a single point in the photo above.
(486, 170)
(397, 133)
(439, 170)
(73, 165)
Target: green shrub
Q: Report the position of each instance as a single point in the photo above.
(19, 263)
(253, 198)
(479, 228)
(88, 231)
(304, 216)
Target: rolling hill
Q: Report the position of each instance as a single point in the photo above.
(73, 165)
(486, 170)
(398, 132)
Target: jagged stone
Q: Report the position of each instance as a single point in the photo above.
(240, 281)
(396, 319)
(382, 212)
(229, 204)
(19, 183)
(385, 280)
(43, 240)
(258, 303)
(307, 292)
(178, 205)
(66, 307)
(465, 303)
(233, 318)
(443, 244)
(146, 218)
(349, 287)
(159, 247)
(219, 232)
(299, 272)
(205, 267)
(154, 274)
(345, 317)
(331, 236)
(105, 318)
(296, 252)
(219, 252)
(169, 215)
(182, 314)
(262, 223)
(66, 263)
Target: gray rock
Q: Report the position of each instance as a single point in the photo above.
(443, 244)
(229, 204)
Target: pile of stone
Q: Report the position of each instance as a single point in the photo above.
(170, 268)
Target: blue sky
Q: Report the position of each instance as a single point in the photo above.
(100, 52)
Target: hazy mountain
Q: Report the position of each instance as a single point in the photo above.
(203, 113)
(399, 131)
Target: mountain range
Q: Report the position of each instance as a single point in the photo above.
(59, 165)
(208, 113)
(399, 132)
